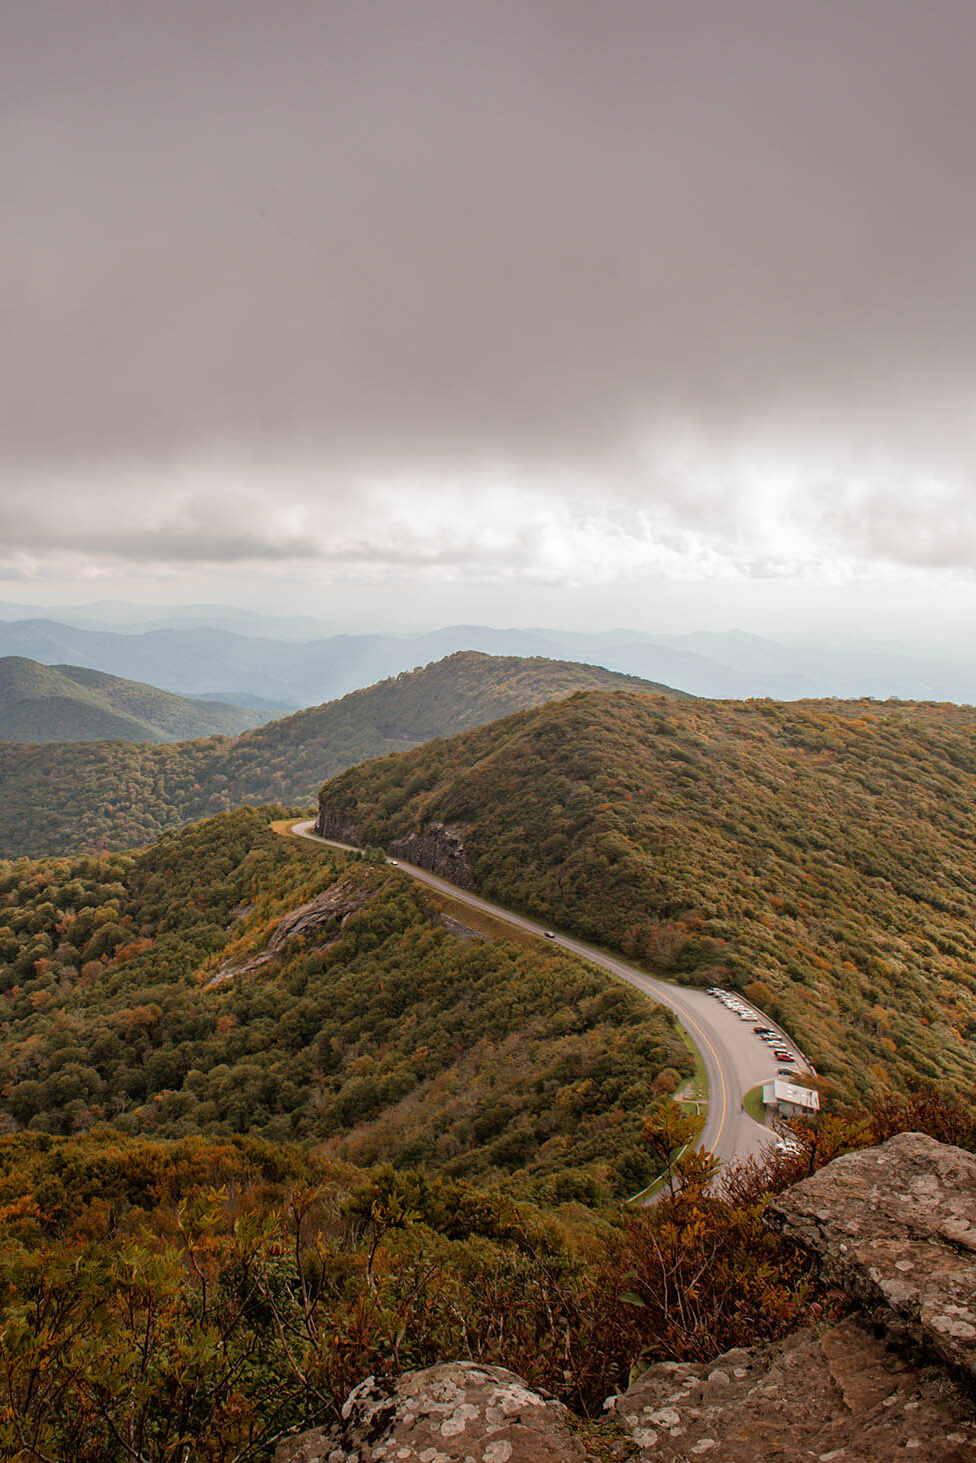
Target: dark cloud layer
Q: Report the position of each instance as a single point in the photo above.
(394, 229)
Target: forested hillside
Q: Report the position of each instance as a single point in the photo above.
(80, 798)
(270, 1127)
(819, 856)
(138, 990)
(69, 703)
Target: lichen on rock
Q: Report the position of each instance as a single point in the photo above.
(456, 1412)
(895, 1227)
(838, 1394)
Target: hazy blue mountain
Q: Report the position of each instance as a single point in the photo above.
(129, 618)
(197, 660)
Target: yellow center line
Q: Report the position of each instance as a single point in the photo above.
(721, 1073)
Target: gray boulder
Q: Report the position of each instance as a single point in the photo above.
(895, 1227)
(456, 1412)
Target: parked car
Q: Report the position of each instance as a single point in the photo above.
(783, 1056)
(764, 1031)
(784, 1072)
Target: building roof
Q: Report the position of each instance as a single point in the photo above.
(780, 1091)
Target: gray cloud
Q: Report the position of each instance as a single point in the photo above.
(378, 229)
(530, 288)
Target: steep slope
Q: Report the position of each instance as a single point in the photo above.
(66, 703)
(58, 800)
(225, 982)
(820, 856)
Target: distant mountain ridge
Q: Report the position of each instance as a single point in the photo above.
(68, 703)
(75, 798)
(207, 658)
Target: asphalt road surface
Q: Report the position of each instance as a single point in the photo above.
(734, 1058)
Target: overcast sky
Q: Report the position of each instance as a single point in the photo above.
(402, 313)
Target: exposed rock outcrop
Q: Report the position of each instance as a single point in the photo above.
(895, 1226)
(332, 907)
(840, 1394)
(439, 849)
(450, 1413)
(327, 825)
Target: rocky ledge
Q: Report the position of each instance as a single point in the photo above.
(840, 1394)
(328, 910)
(894, 1225)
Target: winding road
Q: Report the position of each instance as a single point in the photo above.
(735, 1059)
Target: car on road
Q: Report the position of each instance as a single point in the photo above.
(550, 934)
(788, 1145)
(393, 863)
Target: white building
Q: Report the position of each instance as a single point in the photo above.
(786, 1100)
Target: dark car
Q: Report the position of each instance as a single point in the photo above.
(764, 1031)
(784, 1072)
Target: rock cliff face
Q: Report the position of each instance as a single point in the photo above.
(439, 849)
(329, 826)
(895, 1225)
